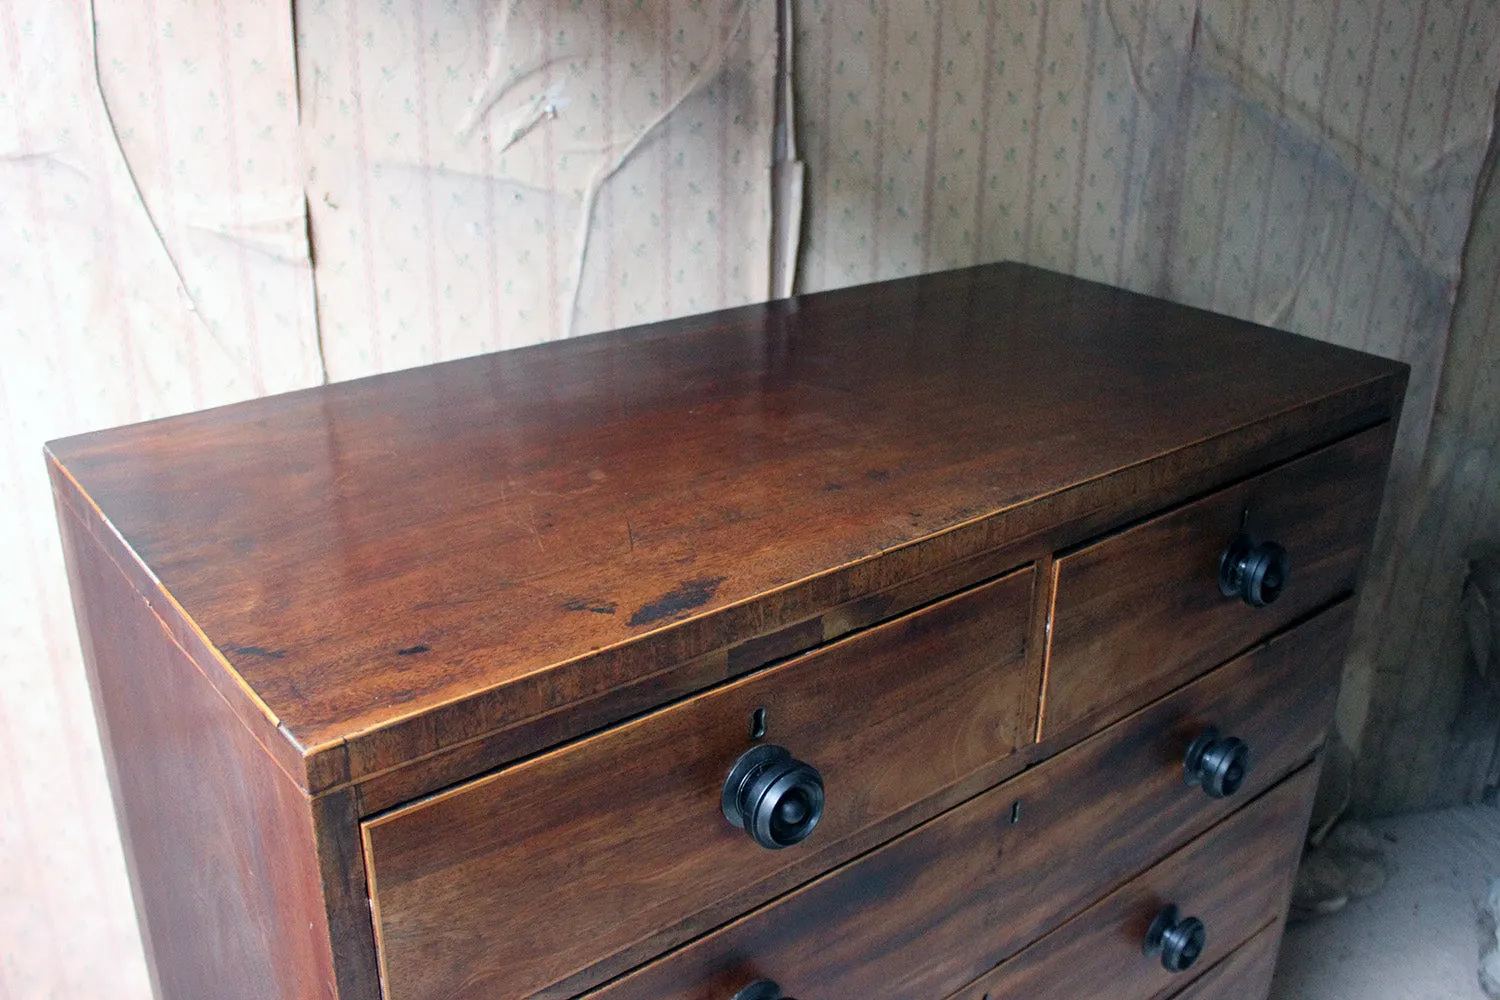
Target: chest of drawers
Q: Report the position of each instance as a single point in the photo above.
(971, 635)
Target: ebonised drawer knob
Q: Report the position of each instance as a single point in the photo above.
(773, 797)
(1177, 939)
(761, 989)
(1217, 763)
(1255, 573)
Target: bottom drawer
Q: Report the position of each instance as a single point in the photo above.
(1235, 879)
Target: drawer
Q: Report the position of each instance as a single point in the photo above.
(928, 912)
(1235, 879)
(617, 846)
(1244, 975)
(1142, 611)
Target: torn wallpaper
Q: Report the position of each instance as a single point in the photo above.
(229, 199)
(1311, 166)
(486, 175)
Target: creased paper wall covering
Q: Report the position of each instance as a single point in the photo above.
(1418, 683)
(152, 260)
(228, 199)
(465, 158)
(1309, 165)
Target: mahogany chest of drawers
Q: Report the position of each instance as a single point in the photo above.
(971, 635)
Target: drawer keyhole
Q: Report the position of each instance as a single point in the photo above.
(758, 724)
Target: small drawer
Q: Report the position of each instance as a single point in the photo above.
(1233, 881)
(1141, 611)
(927, 913)
(618, 846)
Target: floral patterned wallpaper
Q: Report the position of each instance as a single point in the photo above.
(203, 200)
(1311, 166)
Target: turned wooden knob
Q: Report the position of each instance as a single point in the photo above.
(1178, 940)
(1218, 764)
(1256, 573)
(773, 797)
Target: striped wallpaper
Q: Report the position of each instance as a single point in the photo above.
(220, 200)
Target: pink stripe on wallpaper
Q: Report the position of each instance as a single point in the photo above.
(32, 888)
(1425, 227)
(1397, 156)
(362, 159)
(877, 158)
(493, 337)
(666, 161)
(88, 72)
(424, 146)
(1089, 72)
(557, 325)
(237, 197)
(825, 164)
(1127, 196)
(606, 92)
(169, 226)
(1174, 184)
(1354, 183)
(1226, 170)
(1258, 259)
(1322, 120)
(983, 160)
(933, 106)
(726, 244)
(1036, 130)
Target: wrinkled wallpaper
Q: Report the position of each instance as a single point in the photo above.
(202, 201)
(1310, 166)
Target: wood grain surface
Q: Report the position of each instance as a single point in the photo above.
(932, 910)
(220, 843)
(1236, 878)
(386, 568)
(522, 879)
(1141, 609)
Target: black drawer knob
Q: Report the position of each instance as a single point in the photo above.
(1255, 573)
(1177, 939)
(1217, 763)
(761, 989)
(773, 797)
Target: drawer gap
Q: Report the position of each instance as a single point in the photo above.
(1216, 488)
(723, 682)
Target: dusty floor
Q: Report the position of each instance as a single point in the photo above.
(1416, 939)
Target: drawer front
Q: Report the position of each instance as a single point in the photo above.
(935, 908)
(1141, 611)
(1236, 879)
(1244, 975)
(618, 846)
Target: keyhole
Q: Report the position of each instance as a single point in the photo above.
(758, 724)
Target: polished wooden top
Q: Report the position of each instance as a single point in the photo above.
(367, 553)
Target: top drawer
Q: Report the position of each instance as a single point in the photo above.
(516, 882)
(1142, 610)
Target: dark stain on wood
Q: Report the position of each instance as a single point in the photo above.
(592, 605)
(686, 596)
(413, 650)
(270, 654)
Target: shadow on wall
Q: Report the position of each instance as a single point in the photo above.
(1293, 165)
